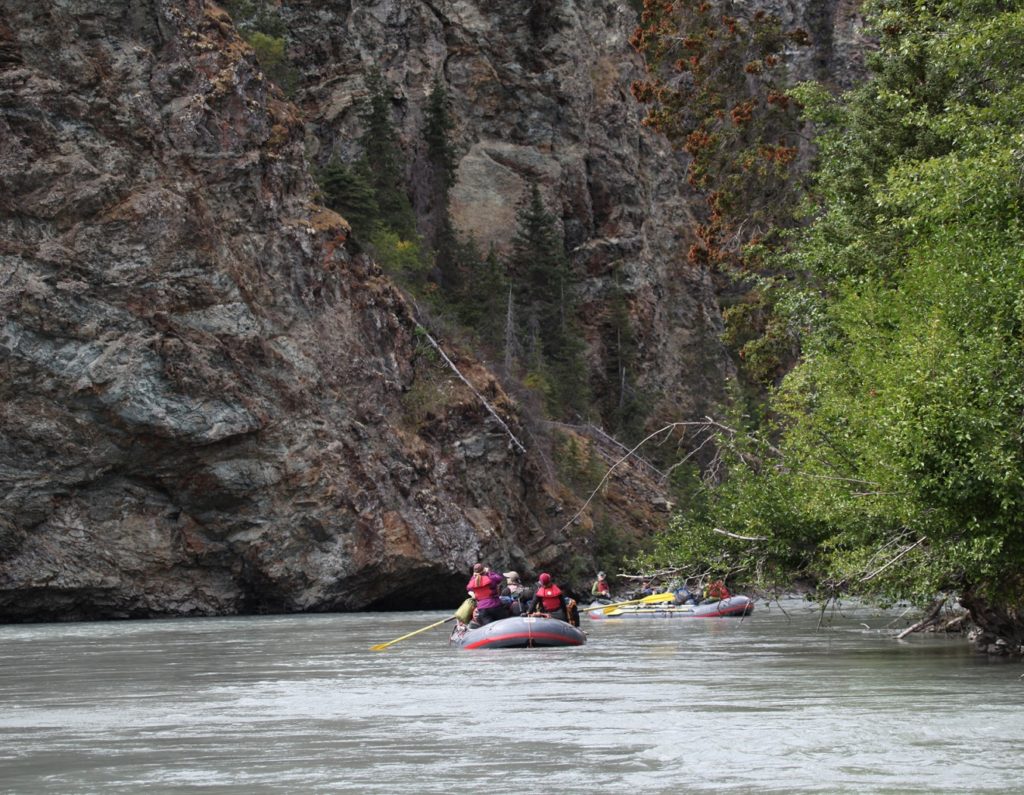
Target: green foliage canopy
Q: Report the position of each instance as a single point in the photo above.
(898, 464)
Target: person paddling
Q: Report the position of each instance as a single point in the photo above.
(483, 587)
(600, 589)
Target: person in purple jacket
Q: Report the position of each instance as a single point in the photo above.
(484, 587)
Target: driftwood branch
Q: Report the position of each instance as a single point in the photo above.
(929, 619)
(490, 409)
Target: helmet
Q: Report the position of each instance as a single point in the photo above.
(544, 579)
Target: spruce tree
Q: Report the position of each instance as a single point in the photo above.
(539, 271)
(483, 299)
(436, 132)
(383, 162)
(437, 128)
(349, 192)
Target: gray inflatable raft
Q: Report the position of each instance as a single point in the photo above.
(518, 632)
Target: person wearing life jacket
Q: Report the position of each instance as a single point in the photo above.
(715, 591)
(600, 589)
(684, 596)
(515, 595)
(550, 599)
(483, 587)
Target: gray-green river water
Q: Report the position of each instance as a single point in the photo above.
(770, 703)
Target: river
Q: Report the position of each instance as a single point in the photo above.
(770, 703)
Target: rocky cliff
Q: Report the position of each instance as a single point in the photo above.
(540, 93)
(208, 404)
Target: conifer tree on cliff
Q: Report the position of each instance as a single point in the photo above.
(347, 190)
(370, 193)
(436, 131)
(546, 310)
(437, 128)
(382, 163)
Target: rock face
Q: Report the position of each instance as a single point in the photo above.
(540, 93)
(836, 53)
(207, 403)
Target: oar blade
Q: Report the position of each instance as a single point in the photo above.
(382, 646)
(656, 598)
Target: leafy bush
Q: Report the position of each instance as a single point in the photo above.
(898, 463)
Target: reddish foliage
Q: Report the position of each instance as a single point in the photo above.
(723, 114)
(696, 141)
(742, 113)
(641, 90)
(800, 36)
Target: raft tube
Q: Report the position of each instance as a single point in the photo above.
(733, 606)
(519, 632)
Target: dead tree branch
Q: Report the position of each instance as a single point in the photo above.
(490, 409)
(720, 531)
(667, 429)
(878, 571)
(930, 618)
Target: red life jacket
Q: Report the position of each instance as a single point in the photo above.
(550, 598)
(482, 587)
(717, 590)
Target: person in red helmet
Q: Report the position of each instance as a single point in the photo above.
(483, 587)
(550, 599)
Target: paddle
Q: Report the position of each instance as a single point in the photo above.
(380, 646)
(654, 598)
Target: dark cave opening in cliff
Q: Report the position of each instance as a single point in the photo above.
(428, 591)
